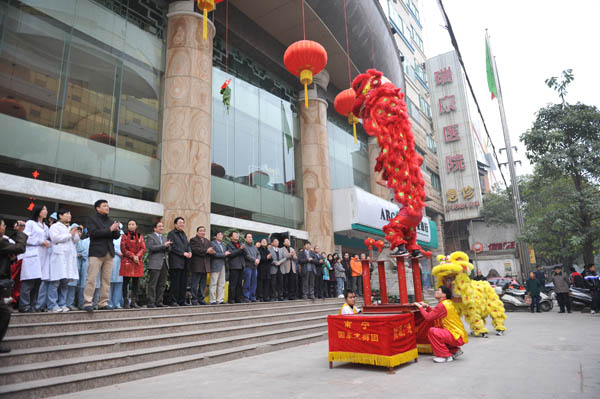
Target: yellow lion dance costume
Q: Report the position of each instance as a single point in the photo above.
(475, 300)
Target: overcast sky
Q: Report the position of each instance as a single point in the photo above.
(531, 40)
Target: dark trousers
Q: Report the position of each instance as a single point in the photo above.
(595, 300)
(4, 320)
(564, 301)
(235, 285)
(157, 280)
(133, 283)
(285, 278)
(178, 285)
(308, 284)
(263, 288)
(535, 302)
(292, 284)
(357, 285)
(277, 285)
(318, 285)
(198, 287)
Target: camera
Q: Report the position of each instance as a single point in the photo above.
(6, 287)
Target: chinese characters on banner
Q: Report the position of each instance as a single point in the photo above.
(452, 122)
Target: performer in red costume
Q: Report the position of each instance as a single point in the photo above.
(381, 106)
(446, 339)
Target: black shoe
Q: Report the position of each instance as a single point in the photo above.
(245, 300)
(107, 307)
(160, 305)
(562, 311)
(174, 305)
(151, 305)
(569, 311)
(416, 254)
(253, 300)
(184, 304)
(538, 311)
(88, 309)
(4, 349)
(25, 310)
(195, 303)
(400, 251)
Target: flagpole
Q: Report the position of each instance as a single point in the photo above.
(523, 249)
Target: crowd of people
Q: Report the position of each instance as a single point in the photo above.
(66, 266)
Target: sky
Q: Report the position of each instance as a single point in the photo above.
(531, 40)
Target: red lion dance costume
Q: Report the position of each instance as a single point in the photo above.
(381, 106)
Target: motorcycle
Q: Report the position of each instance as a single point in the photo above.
(580, 298)
(514, 299)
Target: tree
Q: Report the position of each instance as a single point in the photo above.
(497, 208)
(564, 142)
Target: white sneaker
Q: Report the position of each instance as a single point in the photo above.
(593, 312)
(65, 309)
(443, 359)
(341, 296)
(457, 354)
(56, 310)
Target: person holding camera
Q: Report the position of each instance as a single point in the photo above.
(9, 248)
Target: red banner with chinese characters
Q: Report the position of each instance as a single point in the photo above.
(421, 329)
(382, 340)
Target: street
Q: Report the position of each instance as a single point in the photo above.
(546, 355)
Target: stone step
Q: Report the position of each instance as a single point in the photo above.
(228, 317)
(201, 330)
(264, 307)
(48, 353)
(74, 365)
(41, 388)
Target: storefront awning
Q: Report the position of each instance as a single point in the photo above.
(356, 210)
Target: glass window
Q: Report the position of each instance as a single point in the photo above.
(431, 143)
(425, 107)
(413, 8)
(424, 164)
(348, 162)
(255, 154)
(435, 181)
(397, 21)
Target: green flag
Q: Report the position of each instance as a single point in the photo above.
(490, 69)
(287, 133)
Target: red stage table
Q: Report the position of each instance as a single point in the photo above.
(377, 339)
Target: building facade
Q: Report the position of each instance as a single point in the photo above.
(120, 99)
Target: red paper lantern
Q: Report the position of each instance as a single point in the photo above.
(369, 242)
(305, 59)
(343, 105)
(379, 244)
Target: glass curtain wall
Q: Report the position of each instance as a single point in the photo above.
(255, 155)
(348, 162)
(80, 97)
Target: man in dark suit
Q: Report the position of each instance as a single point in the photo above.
(237, 261)
(308, 262)
(102, 231)
(158, 258)
(217, 270)
(178, 262)
(319, 273)
(200, 264)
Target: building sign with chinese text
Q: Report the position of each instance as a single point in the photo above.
(459, 175)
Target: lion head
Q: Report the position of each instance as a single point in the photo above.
(450, 267)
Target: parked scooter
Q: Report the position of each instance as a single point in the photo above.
(580, 298)
(515, 299)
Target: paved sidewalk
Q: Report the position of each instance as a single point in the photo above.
(546, 355)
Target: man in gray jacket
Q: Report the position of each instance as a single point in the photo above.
(278, 258)
(252, 260)
(562, 289)
(158, 258)
(217, 270)
(288, 270)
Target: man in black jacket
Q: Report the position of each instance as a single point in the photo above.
(237, 261)
(102, 232)
(9, 247)
(179, 256)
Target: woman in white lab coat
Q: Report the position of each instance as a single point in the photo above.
(36, 255)
(63, 261)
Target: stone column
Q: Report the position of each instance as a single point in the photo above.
(316, 178)
(376, 189)
(186, 136)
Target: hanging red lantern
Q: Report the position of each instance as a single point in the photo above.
(206, 6)
(369, 242)
(343, 105)
(379, 244)
(305, 59)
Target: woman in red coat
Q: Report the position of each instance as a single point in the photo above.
(133, 248)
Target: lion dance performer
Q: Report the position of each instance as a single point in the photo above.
(381, 106)
(475, 300)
